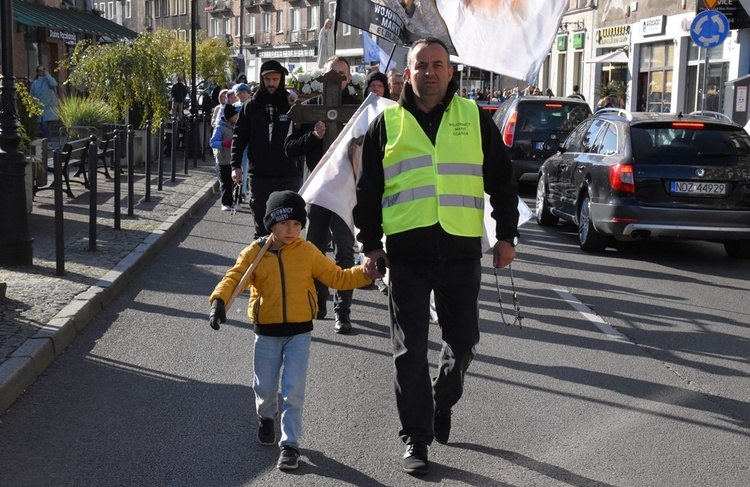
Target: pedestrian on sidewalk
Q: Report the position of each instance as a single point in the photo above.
(306, 141)
(44, 89)
(422, 184)
(281, 314)
(221, 143)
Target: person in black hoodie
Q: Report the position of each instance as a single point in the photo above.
(376, 82)
(307, 141)
(263, 125)
(426, 165)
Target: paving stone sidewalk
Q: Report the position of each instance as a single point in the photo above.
(42, 311)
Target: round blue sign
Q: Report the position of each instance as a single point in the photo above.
(709, 29)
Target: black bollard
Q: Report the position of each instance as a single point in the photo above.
(59, 215)
(118, 176)
(175, 137)
(92, 160)
(147, 196)
(131, 171)
(185, 139)
(160, 170)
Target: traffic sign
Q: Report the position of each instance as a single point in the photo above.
(709, 29)
(710, 4)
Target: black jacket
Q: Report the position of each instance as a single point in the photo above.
(303, 142)
(433, 243)
(265, 158)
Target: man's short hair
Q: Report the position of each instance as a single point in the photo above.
(427, 41)
(333, 59)
(575, 88)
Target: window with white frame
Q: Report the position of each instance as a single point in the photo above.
(332, 10)
(157, 8)
(346, 29)
(215, 26)
(279, 21)
(266, 22)
(173, 7)
(227, 26)
(128, 9)
(111, 10)
(183, 7)
(165, 8)
(250, 24)
(312, 17)
(294, 19)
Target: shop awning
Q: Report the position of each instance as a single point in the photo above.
(36, 15)
(618, 56)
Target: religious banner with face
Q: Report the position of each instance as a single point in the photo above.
(509, 37)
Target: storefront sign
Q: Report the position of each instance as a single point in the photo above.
(562, 43)
(610, 36)
(741, 105)
(733, 10)
(654, 26)
(70, 38)
(578, 40)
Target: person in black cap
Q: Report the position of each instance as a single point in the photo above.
(282, 319)
(307, 141)
(377, 82)
(263, 126)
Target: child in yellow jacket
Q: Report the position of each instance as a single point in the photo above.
(282, 307)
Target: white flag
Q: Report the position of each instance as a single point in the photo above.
(373, 53)
(511, 37)
(332, 184)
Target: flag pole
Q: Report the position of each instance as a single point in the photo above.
(390, 57)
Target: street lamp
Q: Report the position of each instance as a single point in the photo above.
(15, 241)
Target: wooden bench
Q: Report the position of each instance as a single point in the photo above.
(74, 154)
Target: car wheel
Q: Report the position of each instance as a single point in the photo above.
(589, 239)
(738, 249)
(543, 216)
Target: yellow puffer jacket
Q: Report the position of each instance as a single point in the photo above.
(281, 288)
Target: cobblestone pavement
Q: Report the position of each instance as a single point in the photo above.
(35, 294)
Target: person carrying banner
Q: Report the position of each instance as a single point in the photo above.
(307, 141)
(263, 125)
(282, 319)
(426, 164)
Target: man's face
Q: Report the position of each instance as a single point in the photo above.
(271, 81)
(243, 95)
(341, 68)
(396, 84)
(429, 70)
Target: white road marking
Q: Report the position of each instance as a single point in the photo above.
(587, 313)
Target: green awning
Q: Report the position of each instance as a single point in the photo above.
(36, 15)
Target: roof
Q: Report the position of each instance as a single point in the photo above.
(82, 22)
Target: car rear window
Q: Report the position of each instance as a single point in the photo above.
(689, 143)
(558, 117)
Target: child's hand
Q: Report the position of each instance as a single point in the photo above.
(218, 314)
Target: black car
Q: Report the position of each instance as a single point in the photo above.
(650, 175)
(525, 122)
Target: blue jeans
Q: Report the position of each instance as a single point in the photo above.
(272, 356)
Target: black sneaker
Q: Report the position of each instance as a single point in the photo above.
(266, 433)
(415, 458)
(441, 427)
(288, 458)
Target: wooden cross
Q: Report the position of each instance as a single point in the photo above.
(332, 112)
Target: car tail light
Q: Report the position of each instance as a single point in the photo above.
(621, 178)
(687, 125)
(553, 105)
(510, 129)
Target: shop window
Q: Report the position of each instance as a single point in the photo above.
(718, 74)
(655, 77)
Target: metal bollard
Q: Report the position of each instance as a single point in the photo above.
(185, 140)
(147, 196)
(92, 160)
(160, 170)
(59, 215)
(131, 171)
(175, 137)
(118, 176)
(206, 119)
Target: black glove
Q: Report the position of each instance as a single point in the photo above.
(218, 314)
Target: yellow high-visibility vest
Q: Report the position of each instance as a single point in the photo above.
(426, 184)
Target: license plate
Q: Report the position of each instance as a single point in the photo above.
(697, 188)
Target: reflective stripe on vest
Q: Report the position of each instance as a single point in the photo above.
(416, 172)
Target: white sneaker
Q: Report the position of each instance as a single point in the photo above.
(225, 208)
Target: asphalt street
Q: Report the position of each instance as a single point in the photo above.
(148, 394)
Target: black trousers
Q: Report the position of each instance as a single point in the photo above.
(324, 225)
(260, 189)
(456, 285)
(225, 184)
